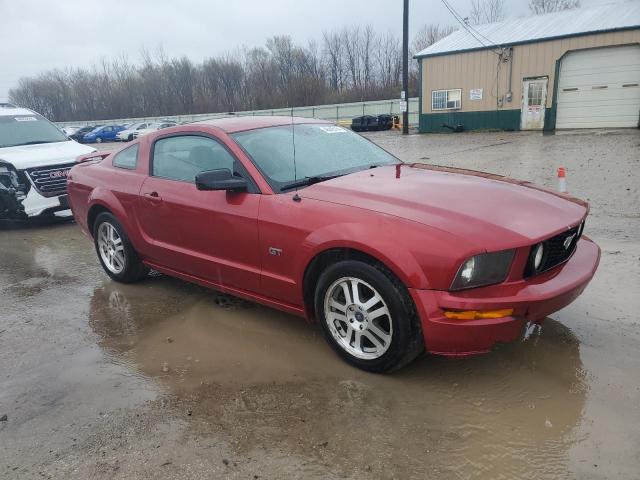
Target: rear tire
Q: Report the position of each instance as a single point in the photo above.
(115, 252)
(98, 140)
(368, 316)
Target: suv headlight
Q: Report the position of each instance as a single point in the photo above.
(483, 269)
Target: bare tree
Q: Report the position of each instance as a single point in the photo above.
(348, 65)
(388, 57)
(538, 7)
(429, 34)
(486, 11)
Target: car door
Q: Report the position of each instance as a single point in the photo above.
(212, 235)
(106, 133)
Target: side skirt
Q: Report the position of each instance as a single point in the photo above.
(254, 297)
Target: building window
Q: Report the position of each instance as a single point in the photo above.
(446, 99)
(535, 94)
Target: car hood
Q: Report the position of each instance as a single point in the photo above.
(492, 213)
(44, 154)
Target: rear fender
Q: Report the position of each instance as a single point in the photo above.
(106, 198)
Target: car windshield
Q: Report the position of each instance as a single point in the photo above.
(321, 151)
(16, 130)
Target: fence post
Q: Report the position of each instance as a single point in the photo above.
(313, 112)
(337, 113)
(363, 104)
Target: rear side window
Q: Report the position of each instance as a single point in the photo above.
(183, 157)
(127, 158)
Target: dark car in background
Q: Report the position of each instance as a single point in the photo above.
(80, 133)
(368, 123)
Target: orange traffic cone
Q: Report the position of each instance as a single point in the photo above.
(562, 180)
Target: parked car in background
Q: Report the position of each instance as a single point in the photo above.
(35, 157)
(391, 259)
(106, 133)
(126, 135)
(81, 132)
(153, 128)
(369, 123)
(70, 130)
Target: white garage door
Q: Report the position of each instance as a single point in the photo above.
(599, 88)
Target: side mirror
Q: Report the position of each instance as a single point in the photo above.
(220, 179)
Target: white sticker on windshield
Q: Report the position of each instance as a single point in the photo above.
(333, 129)
(26, 119)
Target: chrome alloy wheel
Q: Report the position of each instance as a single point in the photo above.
(111, 248)
(358, 318)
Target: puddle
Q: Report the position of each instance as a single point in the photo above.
(269, 378)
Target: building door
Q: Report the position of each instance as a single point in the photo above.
(599, 87)
(534, 97)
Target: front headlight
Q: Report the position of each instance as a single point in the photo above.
(483, 269)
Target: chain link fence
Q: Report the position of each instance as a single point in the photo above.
(339, 113)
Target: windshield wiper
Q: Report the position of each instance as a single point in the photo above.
(306, 181)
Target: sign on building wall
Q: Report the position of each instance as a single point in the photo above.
(475, 94)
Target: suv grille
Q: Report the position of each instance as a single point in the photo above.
(50, 181)
(556, 250)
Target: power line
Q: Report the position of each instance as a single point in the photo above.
(472, 31)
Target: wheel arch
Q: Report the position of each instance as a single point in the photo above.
(95, 210)
(328, 256)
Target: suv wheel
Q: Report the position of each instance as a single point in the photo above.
(367, 316)
(115, 252)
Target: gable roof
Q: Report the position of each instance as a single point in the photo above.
(568, 23)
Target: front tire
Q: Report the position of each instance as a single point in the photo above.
(368, 316)
(115, 252)
(98, 140)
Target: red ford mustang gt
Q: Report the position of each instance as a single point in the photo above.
(391, 259)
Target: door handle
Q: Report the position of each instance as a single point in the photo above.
(152, 197)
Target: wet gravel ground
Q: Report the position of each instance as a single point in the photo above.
(163, 379)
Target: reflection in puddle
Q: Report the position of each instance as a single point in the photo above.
(266, 378)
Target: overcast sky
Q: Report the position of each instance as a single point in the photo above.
(37, 35)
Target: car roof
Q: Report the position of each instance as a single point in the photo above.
(239, 124)
(9, 111)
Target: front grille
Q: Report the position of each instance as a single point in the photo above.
(50, 181)
(556, 250)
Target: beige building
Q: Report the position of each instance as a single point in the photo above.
(573, 69)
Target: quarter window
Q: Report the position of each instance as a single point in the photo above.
(127, 158)
(183, 157)
(446, 99)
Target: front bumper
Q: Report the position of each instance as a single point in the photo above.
(35, 204)
(532, 300)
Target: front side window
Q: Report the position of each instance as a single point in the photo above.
(320, 150)
(127, 158)
(16, 130)
(183, 157)
(446, 99)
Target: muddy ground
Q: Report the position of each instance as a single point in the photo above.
(163, 379)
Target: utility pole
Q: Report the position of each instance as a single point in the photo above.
(404, 97)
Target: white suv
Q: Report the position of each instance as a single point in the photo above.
(35, 158)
